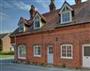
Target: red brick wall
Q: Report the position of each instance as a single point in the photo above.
(75, 35)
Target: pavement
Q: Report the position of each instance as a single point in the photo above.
(8, 65)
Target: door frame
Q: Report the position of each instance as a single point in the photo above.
(83, 46)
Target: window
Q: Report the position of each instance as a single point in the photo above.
(21, 29)
(66, 51)
(87, 50)
(66, 14)
(22, 52)
(37, 51)
(50, 49)
(37, 22)
(66, 17)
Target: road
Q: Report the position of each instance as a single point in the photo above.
(8, 65)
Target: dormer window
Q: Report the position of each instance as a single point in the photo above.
(66, 17)
(37, 22)
(66, 13)
(21, 28)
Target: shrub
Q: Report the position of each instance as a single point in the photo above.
(6, 53)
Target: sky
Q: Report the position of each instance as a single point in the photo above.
(12, 10)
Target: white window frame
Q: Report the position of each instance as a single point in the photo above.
(66, 57)
(36, 46)
(70, 16)
(19, 56)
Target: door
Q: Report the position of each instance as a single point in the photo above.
(50, 54)
(86, 55)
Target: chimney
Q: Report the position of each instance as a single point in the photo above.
(52, 6)
(32, 11)
(77, 1)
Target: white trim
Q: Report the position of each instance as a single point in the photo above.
(35, 55)
(67, 6)
(19, 57)
(71, 51)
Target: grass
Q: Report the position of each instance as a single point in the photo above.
(5, 56)
(8, 55)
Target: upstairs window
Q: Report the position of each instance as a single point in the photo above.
(21, 29)
(37, 22)
(66, 17)
(66, 14)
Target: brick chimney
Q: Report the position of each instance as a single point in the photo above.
(32, 11)
(77, 1)
(52, 6)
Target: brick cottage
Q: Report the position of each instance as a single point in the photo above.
(58, 37)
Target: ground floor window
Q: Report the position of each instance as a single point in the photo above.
(37, 50)
(67, 51)
(22, 51)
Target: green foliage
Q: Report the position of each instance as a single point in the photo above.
(6, 53)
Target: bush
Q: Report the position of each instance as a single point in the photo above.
(6, 53)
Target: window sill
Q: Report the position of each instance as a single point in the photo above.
(21, 57)
(37, 55)
(66, 57)
(65, 22)
(36, 28)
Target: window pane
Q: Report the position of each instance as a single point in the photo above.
(64, 51)
(50, 50)
(37, 50)
(69, 51)
(21, 29)
(87, 51)
(22, 51)
(37, 24)
(66, 17)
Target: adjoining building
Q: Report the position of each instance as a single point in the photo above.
(5, 43)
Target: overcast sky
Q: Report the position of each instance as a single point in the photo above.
(12, 10)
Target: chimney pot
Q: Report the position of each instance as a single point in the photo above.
(32, 11)
(52, 6)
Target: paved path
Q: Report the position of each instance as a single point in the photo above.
(9, 66)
